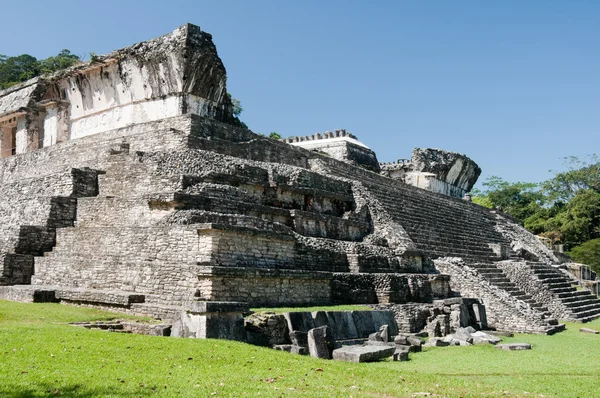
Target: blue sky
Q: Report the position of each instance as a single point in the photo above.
(515, 85)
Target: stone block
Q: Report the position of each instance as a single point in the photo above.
(384, 333)
(341, 324)
(401, 339)
(588, 330)
(400, 356)
(302, 321)
(514, 346)
(435, 342)
(363, 323)
(375, 337)
(320, 318)
(358, 354)
(320, 342)
(484, 338)
(299, 338)
(381, 318)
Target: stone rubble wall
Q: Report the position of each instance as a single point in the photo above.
(523, 242)
(439, 318)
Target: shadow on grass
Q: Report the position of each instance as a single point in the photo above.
(48, 390)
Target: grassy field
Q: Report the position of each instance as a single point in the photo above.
(42, 356)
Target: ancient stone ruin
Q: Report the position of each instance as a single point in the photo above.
(126, 183)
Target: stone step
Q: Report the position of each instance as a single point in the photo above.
(585, 308)
(574, 295)
(579, 303)
(558, 285)
(590, 313)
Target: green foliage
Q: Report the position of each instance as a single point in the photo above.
(519, 200)
(581, 219)
(42, 356)
(580, 175)
(236, 106)
(274, 136)
(14, 70)
(63, 60)
(588, 253)
(483, 201)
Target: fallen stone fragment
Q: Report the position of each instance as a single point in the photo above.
(367, 353)
(434, 342)
(384, 333)
(464, 334)
(400, 356)
(500, 333)
(587, 330)
(414, 341)
(401, 339)
(514, 346)
(422, 334)
(379, 343)
(320, 342)
(484, 338)
(375, 337)
(403, 348)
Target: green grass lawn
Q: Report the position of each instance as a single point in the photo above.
(42, 356)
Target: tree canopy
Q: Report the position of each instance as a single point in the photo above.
(17, 69)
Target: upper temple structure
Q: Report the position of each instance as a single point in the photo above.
(126, 182)
(172, 75)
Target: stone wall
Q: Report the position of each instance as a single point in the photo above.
(377, 288)
(265, 287)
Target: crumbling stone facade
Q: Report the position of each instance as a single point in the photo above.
(149, 198)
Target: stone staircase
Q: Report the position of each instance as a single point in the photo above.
(440, 226)
(581, 305)
(495, 276)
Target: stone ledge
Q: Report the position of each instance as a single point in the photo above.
(203, 307)
(262, 272)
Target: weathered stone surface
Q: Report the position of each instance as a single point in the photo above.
(514, 346)
(320, 342)
(588, 330)
(450, 167)
(358, 354)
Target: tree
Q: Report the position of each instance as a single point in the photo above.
(63, 60)
(519, 200)
(580, 221)
(274, 136)
(580, 175)
(18, 69)
(588, 253)
(14, 70)
(237, 107)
